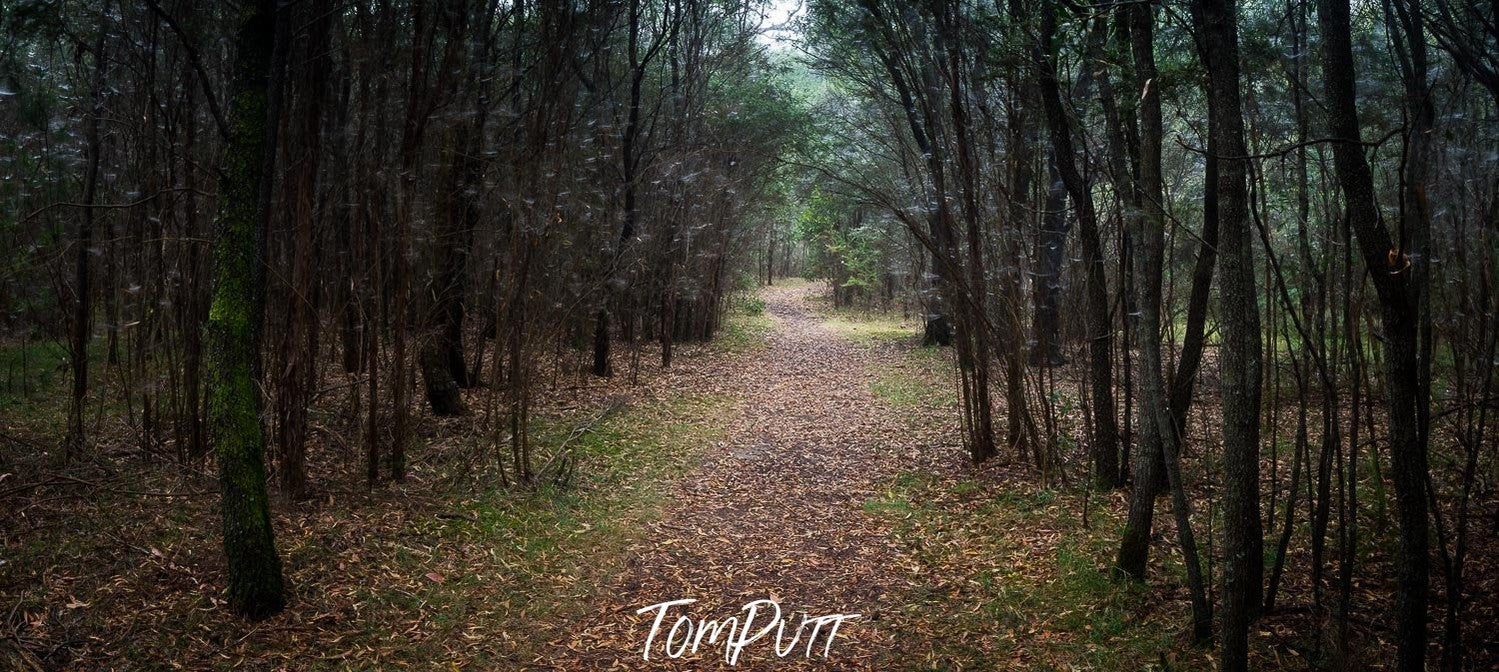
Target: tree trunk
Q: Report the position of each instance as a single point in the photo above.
(298, 372)
(73, 444)
(443, 393)
(1105, 431)
(1394, 266)
(1239, 311)
(1155, 418)
(254, 568)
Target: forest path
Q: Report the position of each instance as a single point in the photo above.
(775, 511)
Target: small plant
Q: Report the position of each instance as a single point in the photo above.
(752, 305)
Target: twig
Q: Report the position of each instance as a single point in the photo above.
(580, 430)
(108, 206)
(1293, 147)
(139, 493)
(197, 62)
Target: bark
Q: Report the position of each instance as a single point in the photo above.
(254, 568)
(1395, 267)
(73, 444)
(352, 343)
(443, 393)
(1105, 430)
(1020, 434)
(443, 363)
(1155, 418)
(1194, 338)
(299, 347)
(194, 305)
(1239, 311)
(463, 219)
(419, 104)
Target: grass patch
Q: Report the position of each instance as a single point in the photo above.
(752, 305)
(921, 377)
(898, 389)
(864, 325)
(1012, 575)
(552, 547)
(871, 327)
(30, 370)
(746, 326)
(485, 577)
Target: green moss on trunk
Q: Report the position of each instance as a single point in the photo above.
(254, 568)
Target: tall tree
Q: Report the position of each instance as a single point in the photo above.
(82, 291)
(234, 399)
(1158, 435)
(1238, 309)
(1105, 428)
(296, 375)
(1396, 265)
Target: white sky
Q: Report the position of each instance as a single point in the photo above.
(777, 13)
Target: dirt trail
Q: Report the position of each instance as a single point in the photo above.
(774, 511)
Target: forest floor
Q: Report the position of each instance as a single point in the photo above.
(809, 456)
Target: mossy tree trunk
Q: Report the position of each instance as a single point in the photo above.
(254, 568)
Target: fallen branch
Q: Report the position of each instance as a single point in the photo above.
(564, 468)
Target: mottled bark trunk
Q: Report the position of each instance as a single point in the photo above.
(1157, 430)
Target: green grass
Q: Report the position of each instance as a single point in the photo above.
(1010, 575)
(752, 305)
(898, 389)
(921, 377)
(398, 578)
(1013, 575)
(869, 328)
(746, 326)
(29, 370)
(553, 545)
(512, 558)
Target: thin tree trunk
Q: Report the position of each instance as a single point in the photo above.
(1391, 265)
(1105, 429)
(298, 373)
(73, 444)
